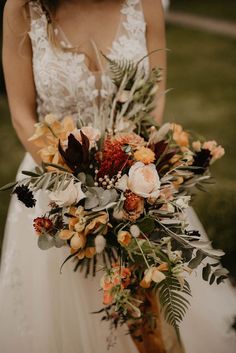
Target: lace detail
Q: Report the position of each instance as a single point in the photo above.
(64, 84)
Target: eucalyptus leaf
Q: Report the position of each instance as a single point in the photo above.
(59, 242)
(45, 242)
(29, 173)
(206, 271)
(221, 272)
(212, 279)
(196, 261)
(82, 177)
(8, 186)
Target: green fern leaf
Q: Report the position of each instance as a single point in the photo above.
(119, 68)
(173, 301)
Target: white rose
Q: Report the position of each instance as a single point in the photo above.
(71, 195)
(144, 180)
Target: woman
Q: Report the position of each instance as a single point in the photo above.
(51, 65)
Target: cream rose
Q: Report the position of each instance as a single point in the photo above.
(68, 197)
(144, 180)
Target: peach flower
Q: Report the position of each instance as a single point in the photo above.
(144, 180)
(154, 274)
(124, 237)
(217, 151)
(145, 155)
(180, 136)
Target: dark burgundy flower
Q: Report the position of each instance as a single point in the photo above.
(76, 156)
(202, 160)
(25, 195)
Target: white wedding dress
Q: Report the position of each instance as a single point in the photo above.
(43, 311)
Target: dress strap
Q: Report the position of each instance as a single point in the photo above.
(38, 21)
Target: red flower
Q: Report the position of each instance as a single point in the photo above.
(42, 224)
(133, 206)
(113, 159)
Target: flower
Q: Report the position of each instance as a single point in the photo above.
(113, 158)
(216, 151)
(145, 155)
(154, 274)
(77, 240)
(144, 180)
(134, 230)
(47, 135)
(180, 136)
(71, 195)
(90, 132)
(42, 224)
(133, 206)
(117, 276)
(129, 138)
(100, 243)
(25, 195)
(124, 237)
(197, 146)
(96, 222)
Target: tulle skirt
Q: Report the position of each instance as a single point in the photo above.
(45, 311)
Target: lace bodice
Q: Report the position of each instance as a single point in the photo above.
(64, 83)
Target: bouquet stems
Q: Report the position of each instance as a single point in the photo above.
(148, 338)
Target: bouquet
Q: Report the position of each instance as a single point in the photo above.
(118, 191)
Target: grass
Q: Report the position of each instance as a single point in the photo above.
(201, 71)
(224, 10)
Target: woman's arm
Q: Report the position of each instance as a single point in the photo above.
(154, 16)
(17, 66)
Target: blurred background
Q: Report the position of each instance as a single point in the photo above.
(201, 36)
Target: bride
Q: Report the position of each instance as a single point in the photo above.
(51, 66)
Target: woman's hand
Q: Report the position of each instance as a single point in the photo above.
(17, 65)
(154, 16)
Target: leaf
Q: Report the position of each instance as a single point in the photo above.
(196, 261)
(221, 279)
(31, 174)
(45, 242)
(67, 259)
(173, 302)
(58, 242)
(57, 166)
(221, 272)
(212, 279)
(8, 186)
(147, 225)
(206, 272)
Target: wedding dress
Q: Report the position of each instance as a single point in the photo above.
(43, 310)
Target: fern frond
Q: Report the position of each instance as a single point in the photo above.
(119, 68)
(173, 301)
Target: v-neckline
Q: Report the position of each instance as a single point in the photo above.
(69, 45)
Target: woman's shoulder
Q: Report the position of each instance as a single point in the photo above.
(153, 12)
(16, 15)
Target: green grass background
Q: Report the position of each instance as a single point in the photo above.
(201, 71)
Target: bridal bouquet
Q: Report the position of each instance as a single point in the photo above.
(118, 190)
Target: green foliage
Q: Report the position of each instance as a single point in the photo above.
(121, 68)
(173, 300)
